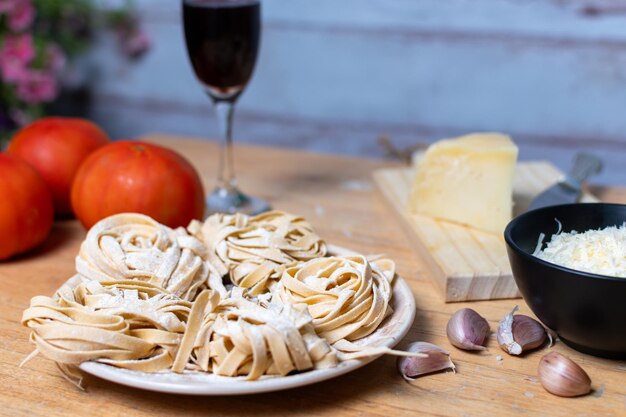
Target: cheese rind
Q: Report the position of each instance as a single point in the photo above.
(467, 180)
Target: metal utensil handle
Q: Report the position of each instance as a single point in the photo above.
(585, 165)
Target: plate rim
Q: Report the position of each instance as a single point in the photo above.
(240, 386)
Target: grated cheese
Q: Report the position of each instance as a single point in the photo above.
(601, 251)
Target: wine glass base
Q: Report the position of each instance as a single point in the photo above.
(223, 200)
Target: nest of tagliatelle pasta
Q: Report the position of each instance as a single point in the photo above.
(236, 296)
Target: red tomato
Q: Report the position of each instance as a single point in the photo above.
(26, 212)
(55, 147)
(130, 176)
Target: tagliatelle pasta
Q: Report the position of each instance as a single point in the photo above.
(128, 324)
(150, 298)
(240, 337)
(347, 296)
(254, 251)
(134, 246)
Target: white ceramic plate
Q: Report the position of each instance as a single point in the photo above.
(388, 334)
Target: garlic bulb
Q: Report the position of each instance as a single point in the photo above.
(411, 367)
(561, 376)
(467, 330)
(519, 333)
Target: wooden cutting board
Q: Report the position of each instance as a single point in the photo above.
(467, 264)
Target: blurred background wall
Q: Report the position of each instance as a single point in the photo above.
(334, 75)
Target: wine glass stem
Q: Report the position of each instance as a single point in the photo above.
(226, 175)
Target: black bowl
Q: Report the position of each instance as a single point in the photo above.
(588, 311)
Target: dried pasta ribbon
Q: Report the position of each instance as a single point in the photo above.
(254, 251)
(129, 324)
(347, 351)
(133, 246)
(348, 297)
(150, 298)
(239, 337)
(206, 299)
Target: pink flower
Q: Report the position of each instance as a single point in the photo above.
(12, 71)
(15, 54)
(37, 86)
(7, 5)
(54, 58)
(19, 117)
(135, 44)
(20, 13)
(21, 16)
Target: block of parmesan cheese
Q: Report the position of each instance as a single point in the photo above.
(467, 180)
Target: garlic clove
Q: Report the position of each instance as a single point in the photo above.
(518, 333)
(561, 376)
(467, 330)
(528, 332)
(438, 359)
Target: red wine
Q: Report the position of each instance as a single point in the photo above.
(222, 39)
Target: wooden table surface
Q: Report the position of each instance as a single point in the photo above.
(336, 194)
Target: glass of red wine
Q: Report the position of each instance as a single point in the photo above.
(222, 38)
